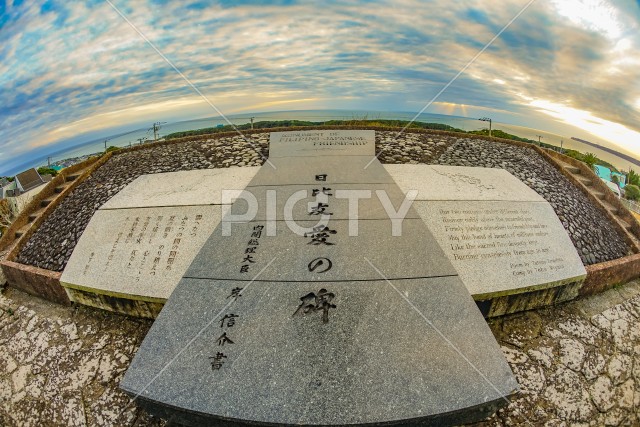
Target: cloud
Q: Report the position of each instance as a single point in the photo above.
(73, 67)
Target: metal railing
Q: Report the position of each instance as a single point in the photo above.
(632, 206)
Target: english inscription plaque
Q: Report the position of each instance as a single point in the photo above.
(501, 236)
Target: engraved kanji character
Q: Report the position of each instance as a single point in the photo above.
(216, 361)
(235, 293)
(316, 302)
(320, 209)
(244, 268)
(230, 320)
(320, 235)
(224, 339)
(325, 190)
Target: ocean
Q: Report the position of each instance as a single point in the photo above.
(465, 123)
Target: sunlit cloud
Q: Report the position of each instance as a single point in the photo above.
(70, 68)
(605, 129)
(596, 15)
(115, 118)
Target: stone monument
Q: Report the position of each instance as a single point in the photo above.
(503, 238)
(320, 299)
(138, 245)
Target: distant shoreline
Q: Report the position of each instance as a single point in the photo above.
(609, 150)
(124, 139)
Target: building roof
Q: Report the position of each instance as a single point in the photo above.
(29, 179)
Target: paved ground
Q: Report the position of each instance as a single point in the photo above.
(578, 364)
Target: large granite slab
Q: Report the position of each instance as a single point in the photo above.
(376, 360)
(500, 235)
(503, 248)
(273, 325)
(323, 200)
(183, 188)
(438, 182)
(316, 143)
(138, 254)
(442, 193)
(328, 170)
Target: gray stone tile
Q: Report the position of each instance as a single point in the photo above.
(296, 256)
(439, 182)
(501, 248)
(338, 170)
(317, 143)
(342, 201)
(184, 188)
(139, 253)
(377, 359)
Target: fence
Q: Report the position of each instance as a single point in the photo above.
(632, 206)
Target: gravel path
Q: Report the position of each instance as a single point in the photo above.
(51, 245)
(577, 364)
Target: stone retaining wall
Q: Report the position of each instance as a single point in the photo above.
(9, 238)
(36, 281)
(609, 196)
(606, 275)
(33, 280)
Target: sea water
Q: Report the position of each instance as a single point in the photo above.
(464, 123)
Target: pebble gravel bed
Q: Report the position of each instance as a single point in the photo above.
(50, 247)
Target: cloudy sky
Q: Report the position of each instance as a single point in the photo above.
(68, 68)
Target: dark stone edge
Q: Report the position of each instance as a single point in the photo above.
(176, 416)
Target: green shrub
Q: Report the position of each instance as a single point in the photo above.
(47, 171)
(632, 192)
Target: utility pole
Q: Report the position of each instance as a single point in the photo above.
(487, 119)
(156, 127)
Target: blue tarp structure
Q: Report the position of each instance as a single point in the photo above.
(606, 174)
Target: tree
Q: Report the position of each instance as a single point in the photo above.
(615, 180)
(633, 178)
(8, 212)
(590, 159)
(632, 192)
(47, 171)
